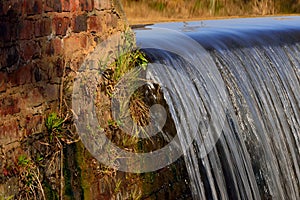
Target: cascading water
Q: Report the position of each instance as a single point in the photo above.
(233, 88)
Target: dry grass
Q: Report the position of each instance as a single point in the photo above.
(139, 110)
(145, 11)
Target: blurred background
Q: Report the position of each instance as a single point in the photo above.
(146, 11)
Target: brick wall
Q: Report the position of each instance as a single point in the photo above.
(42, 44)
(42, 41)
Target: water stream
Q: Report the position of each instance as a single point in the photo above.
(233, 88)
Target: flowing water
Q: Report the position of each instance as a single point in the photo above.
(233, 88)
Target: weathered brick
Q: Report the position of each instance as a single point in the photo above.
(38, 75)
(55, 70)
(8, 32)
(59, 67)
(52, 47)
(9, 131)
(3, 58)
(26, 29)
(3, 81)
(102, 4)
(47, 49)
(74, 5)
(52, 5)
(33, 98)
(24, 74)
(34, 47)
(40, 71)
(86, 5)
(111, 20)
(13, 30)
(29, 49)
(95, 24)
(3, 64)
(60, 25)
(76, 64)
(33, 124)
(4, 31)
(56, 45)
(42, 27)
(66, 5)
(74, 43)
(51, 70)
(51, 92)
(80, 23)
(11, 7)
(9, 106)
(38, 28)
(105, 4)
(34, 7)
(21, 76)
(9, 57)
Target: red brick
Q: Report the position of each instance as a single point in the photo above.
(60, 64)
(55, 70)
(66, 5)
(47, 49)
(29, 49)
(38, 28)
(86, 5)
(60, 25)
(56, 44)
(38, 74)
(34, 7)
(9, 56)
(52, 5)
(9, 106)
(52, 47)
(13, 33)
(80, 23)
(42, 27)
(12, 5)
(74, 5)
(4, 31)
(95, 24)
(17, 6)
(8, 31)
(3, 81)
(22, 76)
(26, 29)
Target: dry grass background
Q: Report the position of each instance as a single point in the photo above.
(143, 11)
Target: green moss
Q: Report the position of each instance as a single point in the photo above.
(67, 178)
(82, 160)
(49, 192)
(72, 173)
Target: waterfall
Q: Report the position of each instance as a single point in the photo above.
(233, 90)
